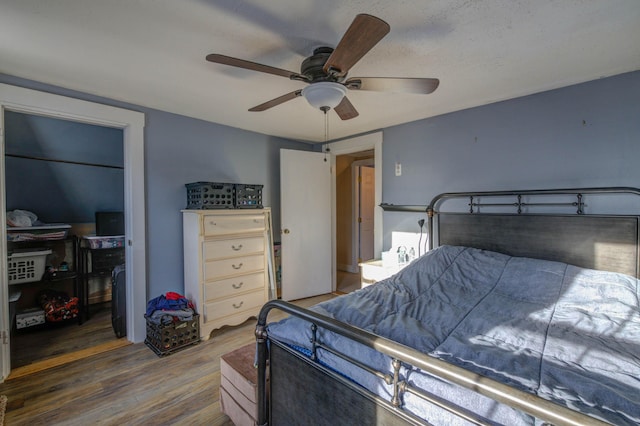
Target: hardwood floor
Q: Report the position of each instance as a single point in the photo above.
(131, 385)
(33, 346)
(347, 282)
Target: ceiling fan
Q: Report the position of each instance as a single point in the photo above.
(326, 71)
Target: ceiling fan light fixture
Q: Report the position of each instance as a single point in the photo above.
(324, 94)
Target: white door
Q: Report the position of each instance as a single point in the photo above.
(305, 204)
(367, 206)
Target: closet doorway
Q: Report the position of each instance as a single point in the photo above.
(18, 99)
(58, 174)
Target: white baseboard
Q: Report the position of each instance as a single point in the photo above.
(354, 269)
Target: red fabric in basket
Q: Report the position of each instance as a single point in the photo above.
(58, 306)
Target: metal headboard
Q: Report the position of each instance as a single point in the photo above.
(606, 242)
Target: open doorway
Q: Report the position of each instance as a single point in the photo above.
(370, 143)
(14, 98)
(355, 203)
(58, 174)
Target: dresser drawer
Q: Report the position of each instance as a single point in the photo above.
(246, 302)
(231, 286)
(232, 247)
(215, 269)
(224, 225)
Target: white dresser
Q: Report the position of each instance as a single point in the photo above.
(228, 264)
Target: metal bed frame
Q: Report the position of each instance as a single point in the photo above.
(302, 391)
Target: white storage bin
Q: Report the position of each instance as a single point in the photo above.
(107, 242)
(25, 266)
(29, 318)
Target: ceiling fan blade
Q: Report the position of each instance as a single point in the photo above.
(345, 109)
(254, 66)
(391, 84)
(277, 101)
(364, 32)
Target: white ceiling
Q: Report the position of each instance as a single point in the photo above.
(152, 53)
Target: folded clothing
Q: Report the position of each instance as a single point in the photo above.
(168, 308)
(168, 317)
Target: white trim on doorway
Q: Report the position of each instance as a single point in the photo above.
(371, 141)
(29, 101)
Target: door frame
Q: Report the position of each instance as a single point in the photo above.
(19, 99)
(356, 168)
(349, 146)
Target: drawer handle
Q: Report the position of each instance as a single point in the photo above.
(237, 267)
(238, 306)
(237, 248)
(212, 223)
(237, 286)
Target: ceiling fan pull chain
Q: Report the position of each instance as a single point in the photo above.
(326, 131)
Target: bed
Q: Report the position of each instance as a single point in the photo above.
(511, 318)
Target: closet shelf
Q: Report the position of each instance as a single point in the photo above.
(53, 160)
(403, 208)
(59, 276)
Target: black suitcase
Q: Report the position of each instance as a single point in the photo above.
(119, 300)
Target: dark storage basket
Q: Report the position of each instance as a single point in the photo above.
(209, 195)
(104, 260)
(166, 339)
(248, 196)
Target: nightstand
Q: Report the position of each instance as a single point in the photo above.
(373, 271)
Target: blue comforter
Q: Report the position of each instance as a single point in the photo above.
(567, 334)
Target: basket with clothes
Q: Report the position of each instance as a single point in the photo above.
(58, 306)
(172, 323)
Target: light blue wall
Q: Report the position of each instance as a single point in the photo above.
(583, 135)
(187, 150)
(70, 191)
(577, 136)
(180, 150)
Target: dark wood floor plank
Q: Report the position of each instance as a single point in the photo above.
(39, 343)
(131, 385)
